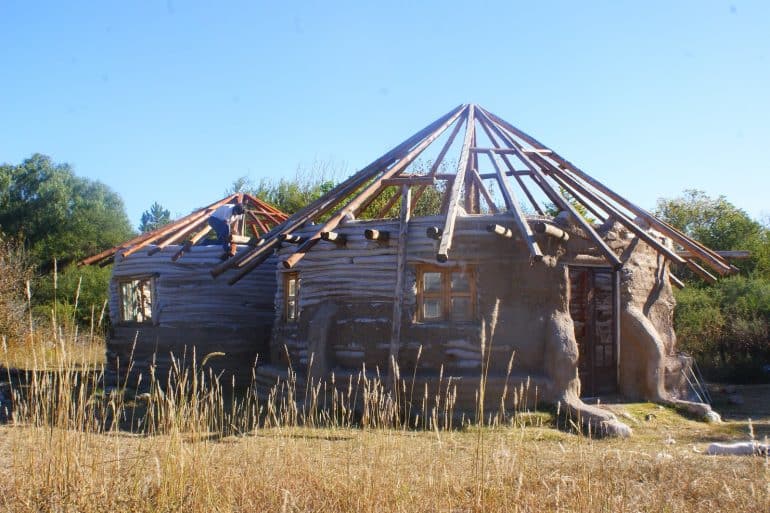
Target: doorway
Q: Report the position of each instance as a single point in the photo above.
(593, 314)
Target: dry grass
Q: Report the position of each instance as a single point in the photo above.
(200, 449)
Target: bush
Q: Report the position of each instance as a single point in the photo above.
(15, 275)
(726, 327)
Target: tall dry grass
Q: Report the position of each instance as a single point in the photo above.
(358, 443)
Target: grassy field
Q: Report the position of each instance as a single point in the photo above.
(55, 457)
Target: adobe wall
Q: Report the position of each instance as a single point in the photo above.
(193, 310)
(346, 310)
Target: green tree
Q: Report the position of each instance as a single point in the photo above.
(154, 218)
(57, 214)
(720, 225)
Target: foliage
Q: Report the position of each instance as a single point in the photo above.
(719, 225)
(553, 210)
(57, 214)
(87, 285)
(15, 274)
(154, 218)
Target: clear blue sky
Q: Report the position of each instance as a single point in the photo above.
(172, 101)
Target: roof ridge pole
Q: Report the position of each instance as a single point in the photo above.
(504, 158)
(329, 200)
(364, 196)
(714, 261)
(564, 204)
(453, 206)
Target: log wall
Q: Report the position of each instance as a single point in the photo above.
(192, 310)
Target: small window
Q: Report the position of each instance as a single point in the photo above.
(291, 296)
(445, 294)
(136, 299)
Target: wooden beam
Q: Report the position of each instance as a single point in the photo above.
(453, 205)
(676, 282)
(141, 238)
(190, 243)
(489, 176)
(568, 183)
(178, 235)
(735, 254)
(433, 232)
(541, 180)
(365, 195)
(700, 271)
(378, 235)
(398, 298)
(500, 230)
(409, 181)
(338, 238)
(511, 171)
(714, 261)
(328, 201)
(484, 192)
(553, 231)
(515, 209)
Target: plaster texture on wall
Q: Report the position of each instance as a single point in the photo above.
(192, 311)
(346, 307)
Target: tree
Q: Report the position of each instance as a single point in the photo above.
(720, 225)
(154, 218)
(57, 214)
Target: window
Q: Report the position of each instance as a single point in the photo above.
(291, 296)
(136, 299)
(446, 294)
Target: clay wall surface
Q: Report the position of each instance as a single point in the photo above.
(346, 309)
(193, 310)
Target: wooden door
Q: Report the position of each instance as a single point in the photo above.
(591, 308)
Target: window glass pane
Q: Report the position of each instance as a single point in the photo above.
(461, 309)
(460, 282)
(431, 282)
(291, 310)
(136, 300)
(431, 309)
(292, 287)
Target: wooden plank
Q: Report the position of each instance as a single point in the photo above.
(453, 205)
(514, 208)
(714, 261)
(676, 282)
(365, 195)
(403, 237)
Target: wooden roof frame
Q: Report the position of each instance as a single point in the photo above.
(260, 218)
(545, 171)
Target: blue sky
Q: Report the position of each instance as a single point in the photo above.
(172, 101)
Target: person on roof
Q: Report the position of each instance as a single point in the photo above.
(222, 220)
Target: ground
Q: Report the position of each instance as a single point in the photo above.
(529, 466)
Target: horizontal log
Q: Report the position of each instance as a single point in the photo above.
(433, 232)
(335, 237)
(290, 238)
(500, 230)
(239, 239)
(409, 181)
(491, 176)
(378, 235)
(553, 231)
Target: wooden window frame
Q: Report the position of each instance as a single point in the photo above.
(123, 280)
(446, 294)
(287, 278)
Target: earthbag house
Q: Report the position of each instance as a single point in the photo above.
(165, 305)
(472, 226)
